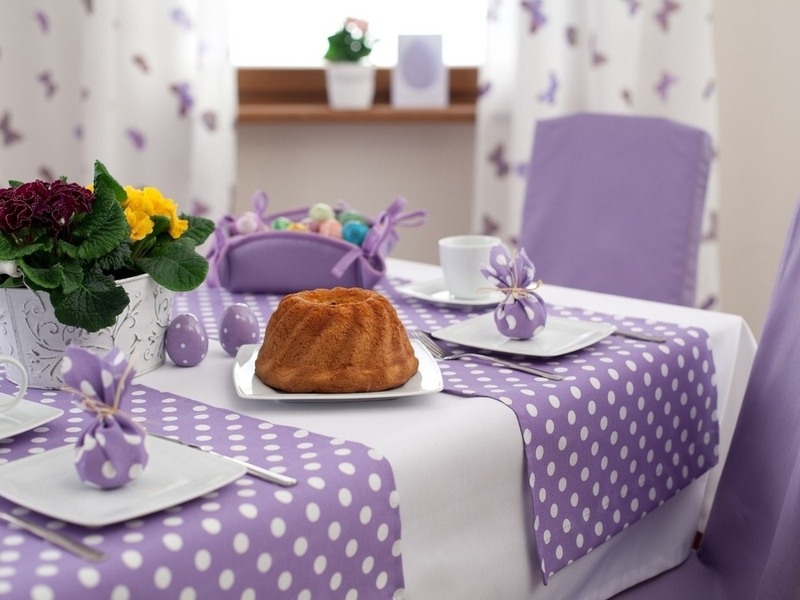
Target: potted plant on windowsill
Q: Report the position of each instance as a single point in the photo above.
(92, 266)
(349, 76)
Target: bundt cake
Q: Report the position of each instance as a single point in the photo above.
(340, 340)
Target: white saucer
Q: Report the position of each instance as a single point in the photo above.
(434, 290)
(427, 380)
(559, 336)
(48, 483)
(25, 416)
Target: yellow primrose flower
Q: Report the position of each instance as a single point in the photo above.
(140, 223)
(149, 201)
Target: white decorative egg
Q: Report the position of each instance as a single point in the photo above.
(237, 327)
(186, 340)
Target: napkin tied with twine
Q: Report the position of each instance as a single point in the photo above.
(111, 451)
(522, 313)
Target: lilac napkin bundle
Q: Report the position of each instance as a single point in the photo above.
(522, 313)
(112, 450)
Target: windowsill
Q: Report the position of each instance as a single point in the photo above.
(298, 95)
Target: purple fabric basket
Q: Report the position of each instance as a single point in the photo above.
(283, 262)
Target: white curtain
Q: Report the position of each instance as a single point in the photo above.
(144, 86)
(547, 58)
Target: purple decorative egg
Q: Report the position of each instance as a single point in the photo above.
(186, 340)
(237, 327)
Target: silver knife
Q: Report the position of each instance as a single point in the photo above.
(253, 470)
(59, 539)
(635, 335)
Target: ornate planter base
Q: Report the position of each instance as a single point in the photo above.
(30, 332)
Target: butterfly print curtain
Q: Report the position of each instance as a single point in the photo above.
(144, 86)
(548, 58)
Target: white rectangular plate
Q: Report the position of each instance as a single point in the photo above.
(25, 416)
(48, 483)
(559, 336)
(434, 290)
(427, 380)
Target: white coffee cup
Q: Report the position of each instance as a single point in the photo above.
(461, 258)
(7, 402)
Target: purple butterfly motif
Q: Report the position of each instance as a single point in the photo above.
(89, 4)
(140, 62)
(665, 12)
(9, 135)
(78, 132)
(572, 35)
(185, 99)
(490, 226)
(209, 119)
(46, 174)
(136, 137)
(199, 208)
(633, 6)
(713, 228)
(521, 170)
(492, 12)
(42, 20)
(627, 97)
(664, 84)
(181, 18)
(498, 158)
(538, 18)
(549, 95)
(484, 89)
(598, 58)
(708, 91)
(46, 79)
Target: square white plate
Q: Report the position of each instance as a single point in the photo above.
(434, 290)
(25, 416)
(559, 336)
(48, 483)
(427, 380)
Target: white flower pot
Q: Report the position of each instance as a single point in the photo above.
(350, 85)
(30, 332)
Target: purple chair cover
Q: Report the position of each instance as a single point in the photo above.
(615, 203)
(751, 546)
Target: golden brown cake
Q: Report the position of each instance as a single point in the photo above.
(340, 340)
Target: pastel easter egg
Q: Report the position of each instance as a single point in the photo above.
(296, 227)
(247, 223)
(331, 228)
(354, 232)
(311, 224)
(350, 215)
(321, 211)
(186, 341)
(238, 326)
(280, 223)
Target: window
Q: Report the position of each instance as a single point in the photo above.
(293, 33)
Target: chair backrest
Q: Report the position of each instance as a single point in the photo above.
(752, 539)
(615, 203)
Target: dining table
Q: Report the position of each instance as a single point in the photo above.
(491, 484)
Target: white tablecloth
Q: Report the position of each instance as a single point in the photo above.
(464, 501)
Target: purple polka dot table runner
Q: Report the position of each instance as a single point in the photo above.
(630, 425)
(336, 534)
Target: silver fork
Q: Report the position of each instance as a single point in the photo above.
(67, 543)
(440, 353)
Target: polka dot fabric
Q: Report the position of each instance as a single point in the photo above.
(335, 535)
(631, 424)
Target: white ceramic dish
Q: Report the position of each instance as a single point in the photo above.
(434, 290)
(560, 336)
(427, 380)
(25, 416)
(48, 483)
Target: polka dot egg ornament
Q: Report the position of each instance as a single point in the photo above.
(112, 450)
(238, 326)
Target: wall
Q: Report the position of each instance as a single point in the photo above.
(431, 164)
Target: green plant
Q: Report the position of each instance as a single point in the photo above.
(74, 243)
(350, 43)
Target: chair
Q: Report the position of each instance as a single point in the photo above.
(615, 204)
(751, 546)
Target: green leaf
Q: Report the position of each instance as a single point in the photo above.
(93, 305)
(48, 277)
(176, 266)
(73, 275)
(199, 229)
(102, 230)
(160, 224)
(10, 251)
(116, 259)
